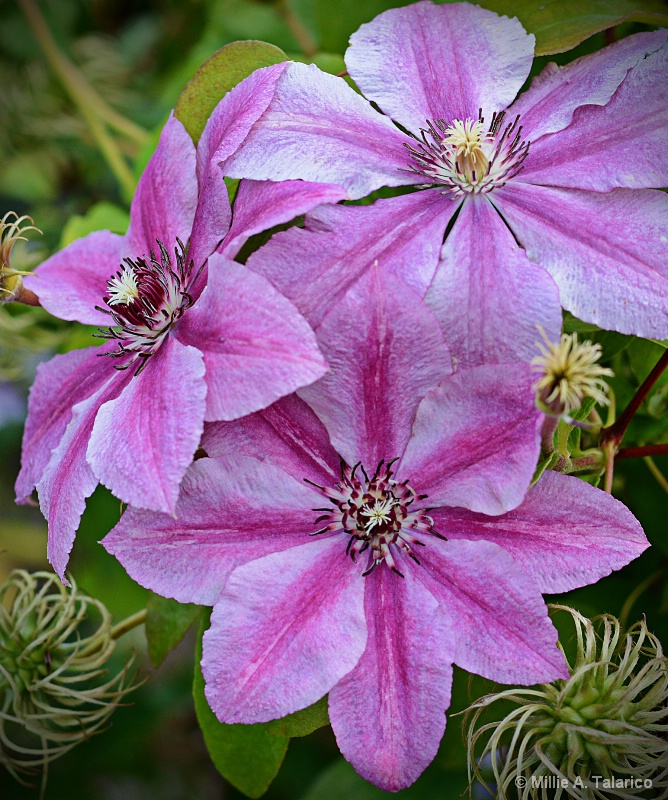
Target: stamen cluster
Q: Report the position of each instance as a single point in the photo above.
(570, 373)
(376, 514)
(610, 720)
(144, 299)
(464, 159)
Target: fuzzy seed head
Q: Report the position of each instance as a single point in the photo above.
(55, 643)
(609, 719)
(12, 230)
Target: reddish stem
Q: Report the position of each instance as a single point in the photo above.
(641, 452)
(610, 35)
(615, 433)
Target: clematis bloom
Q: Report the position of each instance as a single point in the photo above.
(359, 537)
(557, 186)
(192, 335)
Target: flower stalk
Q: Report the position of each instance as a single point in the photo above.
(93, 108)
(612, 436)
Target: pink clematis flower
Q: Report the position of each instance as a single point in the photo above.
(358, 538)
(186, 343)
(554, 187)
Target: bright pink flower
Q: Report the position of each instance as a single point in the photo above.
(184, 346)
(561, 177)
(361, 537)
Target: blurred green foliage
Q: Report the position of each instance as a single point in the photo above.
(138, 56)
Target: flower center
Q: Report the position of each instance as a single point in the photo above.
(376, 515)
(144, 299)
(466, 159)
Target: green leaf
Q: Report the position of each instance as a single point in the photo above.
(547, 463)
(560, 25)
(574, 325)
(340, 781)
(644, 355)
(332, 63)
(166, 624)
(301, 723)
(248, 756)
(217, 75)
(32, 177)
(575, 435)
(100, 217)
(331, 27)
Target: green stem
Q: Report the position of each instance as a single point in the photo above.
(116, 632)
(128, 624)
(297, 28)
(91, 106)
(658, 475)
(591, 462)
(635, 594)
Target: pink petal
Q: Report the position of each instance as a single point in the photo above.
(548, 105)
(287, 434)
(164, 204)
(428, 62)
(565, 534)
(475, 440)
(234, 116)
(608, 253)
(319, 129)
(388, 713)
(314, 267)
(225, 130)
(144, 440)
(68, 479)
(259, 666)
(230, 510)
(622, 143)
(74, 280)
(60, 384)
(503, 630)
(385, 351)
(256, 345)
(260, 205)
(487, 295)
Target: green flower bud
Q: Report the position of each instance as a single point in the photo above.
(602, 733)
(55, 643)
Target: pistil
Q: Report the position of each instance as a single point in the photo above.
(464, 159)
